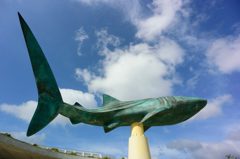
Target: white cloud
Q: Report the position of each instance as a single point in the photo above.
(131, 9)
(217, 150)
(164, 12)
(162, 16)
(154, 150)
(104, 40)
(94, 2)
(165, 130)
(184, 145)
(129, 73)
(80, 36)
(213, 108)
(84, 75)
(206, 150)
(160, 150)
(225, 54)
(192, 81)
(71, 96)
(170, 51)
(38, 139)
(234, 135)
(26, 110)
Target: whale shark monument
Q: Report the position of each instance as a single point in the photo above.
(140, 114)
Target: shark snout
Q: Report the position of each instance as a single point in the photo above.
(198, 102)
(202, 102)
(191, 103)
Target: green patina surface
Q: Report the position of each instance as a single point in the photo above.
(112, 114)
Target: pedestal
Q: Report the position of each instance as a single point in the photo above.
(138, 144)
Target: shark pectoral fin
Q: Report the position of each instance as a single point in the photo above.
(146, 128)
(75, 120)
(152, 113)
(110, 126)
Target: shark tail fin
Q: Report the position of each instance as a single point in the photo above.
(49, 97)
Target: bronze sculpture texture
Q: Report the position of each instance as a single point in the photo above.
(112, 114)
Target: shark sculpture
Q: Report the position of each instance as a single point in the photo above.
(112, 114)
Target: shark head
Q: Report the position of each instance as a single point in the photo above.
(186, 103)
(188, 106)
(172, 110)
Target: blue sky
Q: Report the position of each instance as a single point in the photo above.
(129, 50)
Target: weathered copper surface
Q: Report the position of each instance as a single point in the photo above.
(112, 114)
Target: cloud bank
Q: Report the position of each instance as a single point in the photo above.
(174, 18)
(80, 36)
(26, 110)
(137, 71)
(200, 150)
(164, 14)
(213, 108)
(224, 53)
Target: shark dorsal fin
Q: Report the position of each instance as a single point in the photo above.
(108, 99)
(77, 104)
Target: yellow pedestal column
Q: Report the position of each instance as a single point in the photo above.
(138, 144)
